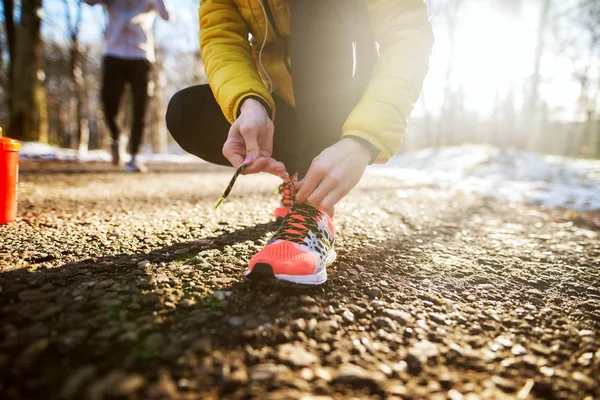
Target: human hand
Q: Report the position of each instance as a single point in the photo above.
(333, 174)
(250, 141)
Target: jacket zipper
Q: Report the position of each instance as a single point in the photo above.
(277, 34)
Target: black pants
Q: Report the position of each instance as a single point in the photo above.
(116, 73)
(324, 37)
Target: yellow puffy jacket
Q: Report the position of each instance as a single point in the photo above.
(400, 26)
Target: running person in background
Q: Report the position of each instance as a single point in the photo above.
(128, 58)
(312, 91)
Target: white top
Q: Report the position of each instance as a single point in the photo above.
(129, 31)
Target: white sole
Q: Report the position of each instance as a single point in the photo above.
(141, 170)
(315, 279)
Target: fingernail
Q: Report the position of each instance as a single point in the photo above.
(249, 160)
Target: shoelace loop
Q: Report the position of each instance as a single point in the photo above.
(301, 219)
(288, 191)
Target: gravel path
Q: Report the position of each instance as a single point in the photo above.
(129, 286)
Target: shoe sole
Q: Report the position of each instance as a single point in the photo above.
(135, 170)
(264, 272)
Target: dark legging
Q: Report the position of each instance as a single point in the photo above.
(116, 73)
(325, 88)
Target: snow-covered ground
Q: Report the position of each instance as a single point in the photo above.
(515, 175)
(42, 151)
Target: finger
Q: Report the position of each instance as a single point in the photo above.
(313, 177)
(250, 135)
(235, 158)
(232, 150)
(277, 168)
(298, 184)
(258, 165)
(325, 187)
(266, 141)
(333, 197)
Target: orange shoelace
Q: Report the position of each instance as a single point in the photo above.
(288, 191)
(301, 219)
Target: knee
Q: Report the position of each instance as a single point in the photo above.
(177, 123)
(174, 116)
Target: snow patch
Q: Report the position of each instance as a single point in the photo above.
(515, 175)
(45, 152)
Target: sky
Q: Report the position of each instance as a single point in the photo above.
(494, 53)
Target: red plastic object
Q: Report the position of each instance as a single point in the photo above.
(9, 171)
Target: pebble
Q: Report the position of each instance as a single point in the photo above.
(236, 321)
(298, 325)
(105, 284)
(348, 316)
(424, 350)
(384, 323)
(585, 359)
(518, 350)
(307, 374)
(454, 394)
(376, 304)
(116, 384)
(143, 263)
(307, 300)
(328, 326)
(540, 349)
(323, 374)
(504, 384)
(402, 317)
(296, 355)
(413, 364)
(128, 385)
(165, 387)
(373, 293)
(357, 376)
(187, 303)
(262, 373)
(585, 380)
(34, 350)
(395, 388)
(76, 382)
(441, 319)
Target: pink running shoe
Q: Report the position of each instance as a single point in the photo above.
(300, 250)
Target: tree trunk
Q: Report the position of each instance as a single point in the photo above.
(9, 23)
(25, 110)
(157, 126)
(79, 97)
(531, 117)
(449, 105)
(42, 109)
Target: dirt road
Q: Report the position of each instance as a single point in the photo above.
(130, 286)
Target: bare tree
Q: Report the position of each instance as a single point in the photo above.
(158, 131)
(532, 109)
(578, 28)
(73, 16)
(26, 112)
(9, 23)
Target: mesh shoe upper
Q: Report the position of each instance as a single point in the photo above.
(301, 245)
